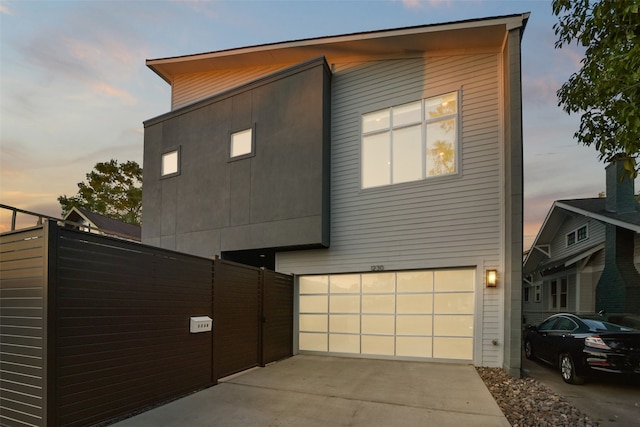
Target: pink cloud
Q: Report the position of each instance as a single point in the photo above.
(122, 95)
(4, 9)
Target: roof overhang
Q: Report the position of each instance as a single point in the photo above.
(487, 33)
(607, 219)
(547, 231)
(75, 212)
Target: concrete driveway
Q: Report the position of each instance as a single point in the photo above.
(331, 391)
(611, 401)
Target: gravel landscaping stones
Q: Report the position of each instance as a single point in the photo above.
(528, 403)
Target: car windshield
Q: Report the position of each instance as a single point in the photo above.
(600, 325)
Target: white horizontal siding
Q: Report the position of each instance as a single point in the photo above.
(453, 219)
(434, 223)
(596, 235)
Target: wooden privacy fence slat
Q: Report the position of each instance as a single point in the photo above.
(23, 332)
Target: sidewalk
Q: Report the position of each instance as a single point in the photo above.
(332, 391)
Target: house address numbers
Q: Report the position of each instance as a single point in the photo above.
(377, 268)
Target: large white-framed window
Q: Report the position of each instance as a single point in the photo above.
(410, 142)
(170, 164)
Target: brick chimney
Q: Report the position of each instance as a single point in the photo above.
(620, 191)
(618, 290)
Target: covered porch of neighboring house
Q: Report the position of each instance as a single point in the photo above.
(566, 284)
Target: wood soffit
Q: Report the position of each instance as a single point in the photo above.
(484, 35)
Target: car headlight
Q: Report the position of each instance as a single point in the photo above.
(596, 342)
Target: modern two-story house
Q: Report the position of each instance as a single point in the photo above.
(383, 169)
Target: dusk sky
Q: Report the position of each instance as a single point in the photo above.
(74, 88)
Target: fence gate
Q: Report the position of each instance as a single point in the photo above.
(236, 311)
(252, 317)
(277, 318)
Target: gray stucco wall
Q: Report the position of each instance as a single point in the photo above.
(278, 198)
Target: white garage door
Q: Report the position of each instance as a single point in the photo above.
(427, 314)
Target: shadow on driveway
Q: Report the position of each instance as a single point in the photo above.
(322, 391)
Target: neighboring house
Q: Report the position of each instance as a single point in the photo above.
(99, 224)
(383, 169)
(586, 256)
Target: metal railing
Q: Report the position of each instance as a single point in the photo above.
(62, 222)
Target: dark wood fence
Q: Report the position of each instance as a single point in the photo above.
(23, 328)
(114, 324)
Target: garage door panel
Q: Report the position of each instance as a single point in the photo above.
(314, 284)
(344, 343)
(345, 283)
(372, 344)
(455, 303)
(414, 325)
(314, 322)
(378, 283)
(453, 348)
(454, 326)
(413, 347)
(454, 280)
(344, 304)
(415, 281)
(313, 342)
(347, 323)
(415, 304)
(378, 304)
(314, 303)
(377, 324)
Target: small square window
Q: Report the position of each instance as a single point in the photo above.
(170, 163)
(571, 238)
(241, 143)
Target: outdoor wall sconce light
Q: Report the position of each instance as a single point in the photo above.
(492, 278)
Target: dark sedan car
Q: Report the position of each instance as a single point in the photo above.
(581, 346)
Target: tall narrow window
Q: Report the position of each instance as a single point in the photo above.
(563, 292)
(441, 117)
(170, 163)
(582, 233)
(410, 142)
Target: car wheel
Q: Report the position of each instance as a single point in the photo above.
(568, 370)
(528, 350)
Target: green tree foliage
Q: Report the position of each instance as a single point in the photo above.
(606, 90)
(112, 189)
